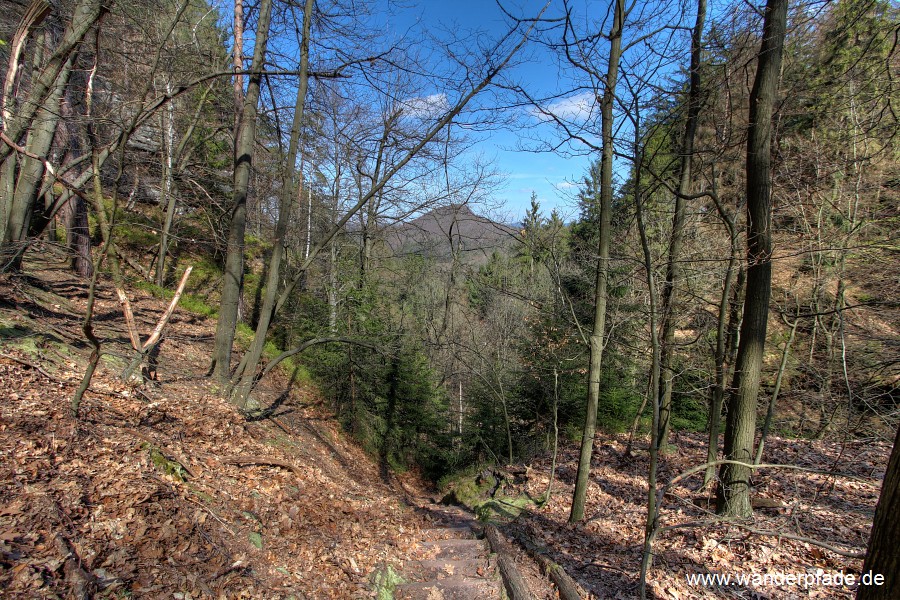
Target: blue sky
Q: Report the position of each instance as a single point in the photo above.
(551, 176)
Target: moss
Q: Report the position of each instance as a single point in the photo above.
(385, 582)
(194, 304)
(474, 492)
(188, 302)
(202, 495)
(169, 467)
(114, 362)
(256, 539)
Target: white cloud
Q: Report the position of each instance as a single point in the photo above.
(574, 108)
(565, 185)
(425, 107)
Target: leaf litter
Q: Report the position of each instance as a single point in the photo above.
(147, 494)
(165, 490)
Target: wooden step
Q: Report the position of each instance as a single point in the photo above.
(451, 588)
(462, 532)
(424, 570)
(456, 549)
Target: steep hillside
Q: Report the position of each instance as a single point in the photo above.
(165, 490)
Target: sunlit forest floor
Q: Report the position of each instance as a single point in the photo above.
(164, 490)
(604, 552)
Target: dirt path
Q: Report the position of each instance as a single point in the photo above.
(164, 490)
(452, 563)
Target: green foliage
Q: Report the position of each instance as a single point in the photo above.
(255, 539)
(618, 403)
(389, 400)
(166, 465)
(384, 582)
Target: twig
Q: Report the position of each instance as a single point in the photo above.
(261, 460)
(777, 534)
(143, 272)
(213, 515)
(35, 367)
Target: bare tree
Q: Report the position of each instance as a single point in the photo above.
(602, 277)
(432, 126)
(676, 241)
(734, 485)
(244, 148)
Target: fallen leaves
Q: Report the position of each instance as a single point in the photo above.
(168, 491)
(824, 508)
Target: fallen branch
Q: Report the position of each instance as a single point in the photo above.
(129, 319)
(131, 263)
(242, 461)
(568, 588)
(515, 584)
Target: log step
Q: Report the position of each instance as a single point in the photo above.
(456, 549)
(451, 588)
(424, 570)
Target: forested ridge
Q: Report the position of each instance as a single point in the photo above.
(261, 296)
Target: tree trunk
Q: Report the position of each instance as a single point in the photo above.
(250, 362)
(37, 11)
(725, 354)
(599, 328)
(168, 180)
(237, 61)
(78, 236)
(651, 525)
(30, 174)
(85, 15)
(670, 287)
(883, 556)
(244, 145)
(734, 484)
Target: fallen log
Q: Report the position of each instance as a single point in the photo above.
(515, 584)
(568, 587)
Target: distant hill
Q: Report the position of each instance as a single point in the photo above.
(438, 232)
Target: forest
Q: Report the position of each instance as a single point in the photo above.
(709, 312)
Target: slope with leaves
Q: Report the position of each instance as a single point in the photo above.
(801, 515)
(165, 490)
